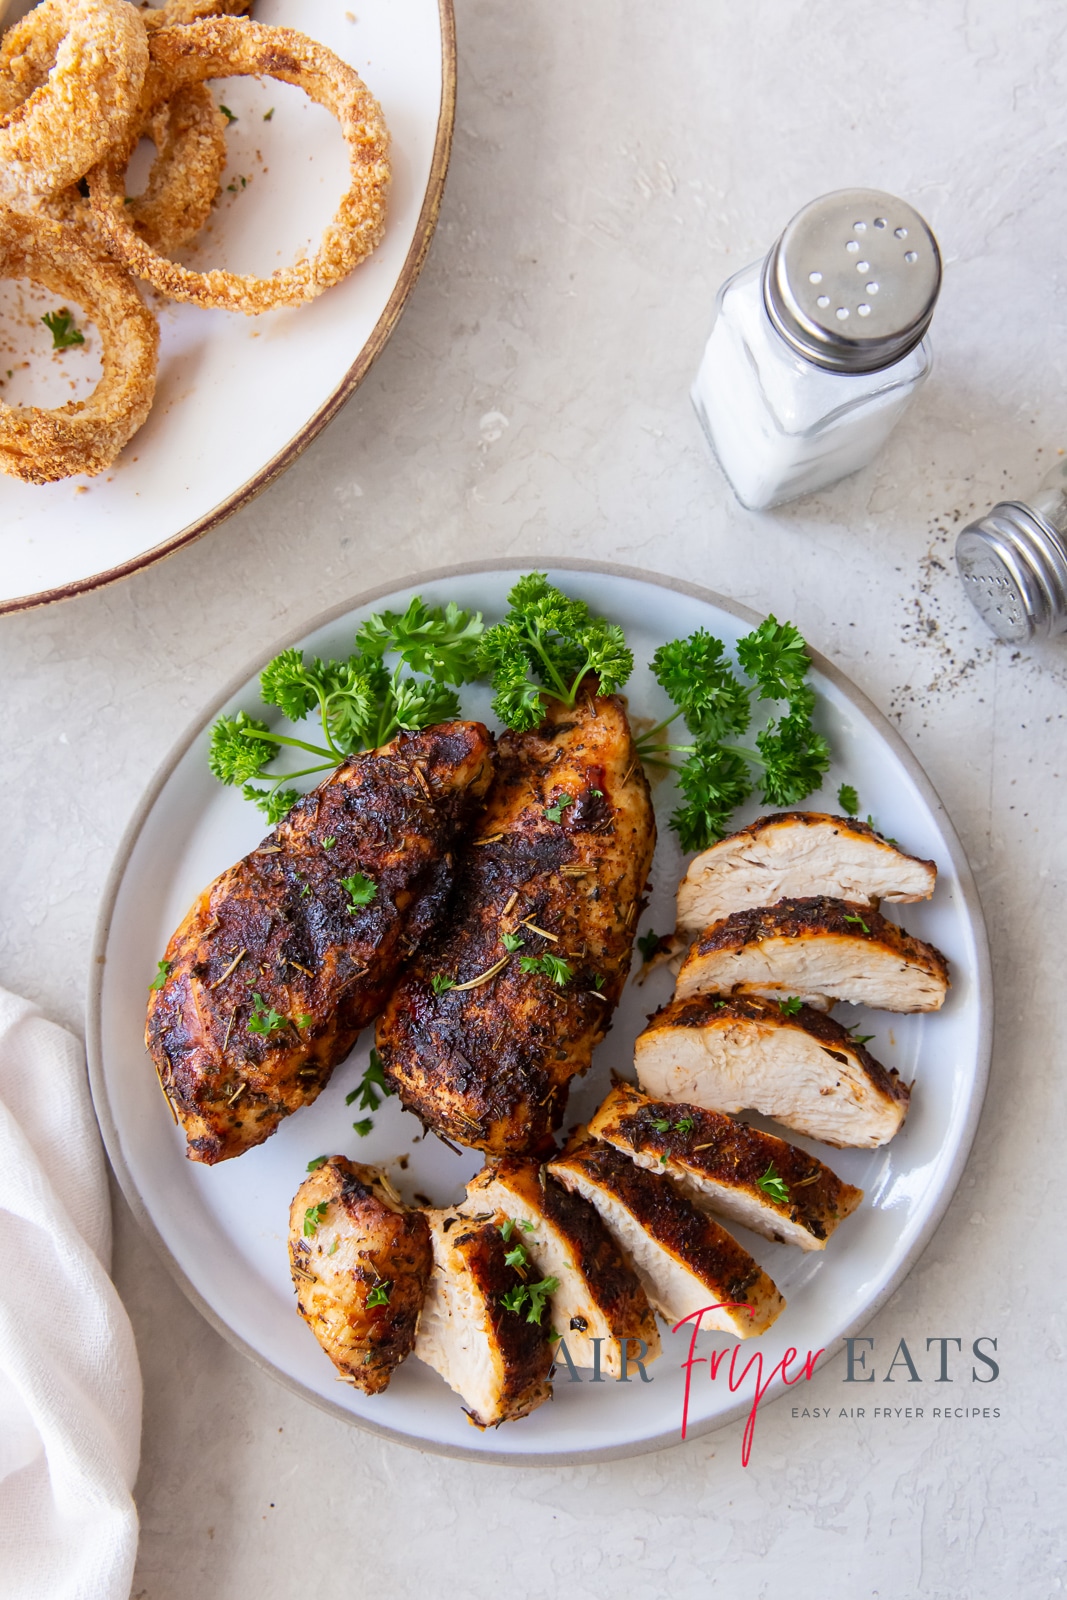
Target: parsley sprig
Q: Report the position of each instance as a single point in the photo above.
(531, 1296)
(359, 702)
(715, 777)
(60, 325)
(544, 648)
(264, 1018)
(367, 1095)
(550, 966)
(773, 1186)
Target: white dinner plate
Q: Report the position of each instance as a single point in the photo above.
(222, 1230)
(239, 397)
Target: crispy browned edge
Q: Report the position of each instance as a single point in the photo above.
(727, 1152)
(611, 1280)
(846, 825)
(526, 1352)
(672, 1221)
(720, 1011)
(413, 264)
(406, 1266)
(810, 917)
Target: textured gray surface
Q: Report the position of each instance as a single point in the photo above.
(612, 164)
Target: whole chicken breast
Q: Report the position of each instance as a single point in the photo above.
(794, 855)
(728, 1168)
(686, 1262)
(281, 962)
(820, 949)
(478, 1045)
(497, 1360)
(360, 1263)
(599, 1297)
(744, 1053)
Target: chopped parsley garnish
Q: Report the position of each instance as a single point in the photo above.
(507, 1228)
(648, 944)
(554, 812)
(848, 800)
(598, 982)
(684, 1125)
(773, 1186)
(372, 1080)
(328, 844)
(530, 1295)
(515, 1298)
(379, 1295)
(332, 1251)
(264, 1018)
(162, 973)
(517, 1257)
(440, 983)
(227, 113)
(363, 1126)
(543, 650)
(512, 941)
(305, 1019)
(852, 917)
(313, 1216)
(790, 1007)
(715, 778)
(551, 966)
(661, 1124)
(60, 325)
(358, 702)
(319, 1161)
(268, 114)
(361, 891)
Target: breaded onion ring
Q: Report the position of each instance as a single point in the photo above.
(226, 47)
(176, 13)
(41, 446)
(73, 71)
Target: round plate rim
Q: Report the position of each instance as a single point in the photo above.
(98, 958)
(372, 349)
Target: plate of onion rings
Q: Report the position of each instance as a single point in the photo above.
(209, 224)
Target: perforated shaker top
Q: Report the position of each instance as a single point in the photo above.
(852, 282)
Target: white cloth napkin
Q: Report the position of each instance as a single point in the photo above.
(70, 1385)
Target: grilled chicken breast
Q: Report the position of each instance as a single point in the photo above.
(744, 1053)
(495, 1359)
(360, 1265)
(821, 950)
(728, 1168)
(685, 1260)
(599, 1296)
(559, 863)
(797, 854)
(279, 965)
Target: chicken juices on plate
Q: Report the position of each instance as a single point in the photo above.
(505, 1004)
(287, 955)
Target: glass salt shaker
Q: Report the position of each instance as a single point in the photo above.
(816, 351)
(1013, 563)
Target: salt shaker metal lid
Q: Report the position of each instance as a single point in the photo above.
(1013, 563)
(852, 282)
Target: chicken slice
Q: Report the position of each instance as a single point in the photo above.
(478, 1044)
(686, 1262)
(599, 1296)
(728, 1168)
(497, 1360)
(797, 854)
(360, 1263)
(286, 956)
(744, 1053)
(820, 950)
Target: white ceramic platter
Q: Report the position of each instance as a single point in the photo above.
(222, 1231)
(239, 397)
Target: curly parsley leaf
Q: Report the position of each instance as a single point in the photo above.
(60, 325)
(440, 640)
(773, 1186)
(240, 748)
(545, 647)
(848, 800)
(775, 655)
(701, 682)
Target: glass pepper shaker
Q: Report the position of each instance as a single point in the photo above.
(816, 351)
(1013, 563)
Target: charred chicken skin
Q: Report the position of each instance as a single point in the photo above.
(506, 1003)
(286, 956)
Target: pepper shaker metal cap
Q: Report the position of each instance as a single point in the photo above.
(852, 282)
(1013, 563)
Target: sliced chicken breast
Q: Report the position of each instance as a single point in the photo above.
(360, 1263)
(744, 1053)
(496, 1360)
(798, 854)
(822, 951)
(686, 1262)
(727, 1168)
(599, 1295)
